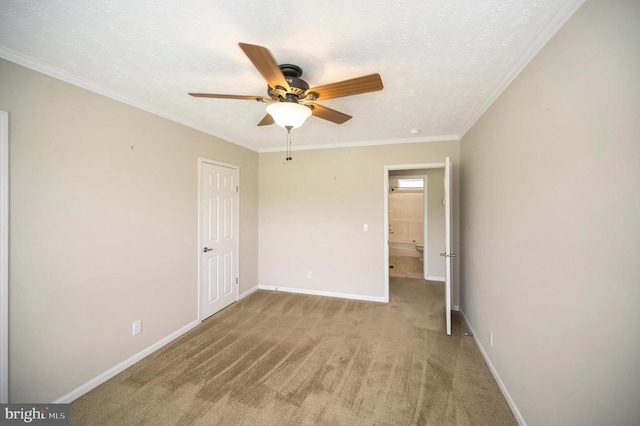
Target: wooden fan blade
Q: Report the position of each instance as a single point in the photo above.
(264, 62)
(266, 120)
(241, 97)
(355, 86)
(329, 114)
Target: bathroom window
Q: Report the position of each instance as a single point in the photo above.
(410, 183)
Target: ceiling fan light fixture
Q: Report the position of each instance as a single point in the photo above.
(289, 114)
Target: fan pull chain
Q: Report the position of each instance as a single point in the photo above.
(289, 158)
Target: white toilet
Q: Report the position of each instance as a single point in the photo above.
(420, 248)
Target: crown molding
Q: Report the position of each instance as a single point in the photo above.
(550, 29)
(75, 80)
(396, 141)
(564, 13)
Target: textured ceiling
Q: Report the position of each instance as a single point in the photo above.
(442, 62)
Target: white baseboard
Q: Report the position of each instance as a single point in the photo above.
(430, 278)
(267, 287)
(248, 292)
(98, 380)
(323, 293)
(455, 308)
(496, 376)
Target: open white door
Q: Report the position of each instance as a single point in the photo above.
(447, 244)
(425, 222)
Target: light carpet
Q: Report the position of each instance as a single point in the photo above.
(279, 358)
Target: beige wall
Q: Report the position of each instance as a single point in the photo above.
(312, 211)
(551, 225)
(103, 230)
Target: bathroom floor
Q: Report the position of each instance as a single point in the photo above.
(405, 266)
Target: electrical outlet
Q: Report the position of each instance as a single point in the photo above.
(490, 338)
(365, 227)
(137, 327)
(308, 275)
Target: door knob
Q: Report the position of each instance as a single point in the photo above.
(206, 249)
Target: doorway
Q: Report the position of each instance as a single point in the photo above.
(409, 223)
(446, 202)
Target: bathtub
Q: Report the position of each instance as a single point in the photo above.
(402, 248)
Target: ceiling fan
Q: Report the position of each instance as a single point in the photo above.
(290, 98)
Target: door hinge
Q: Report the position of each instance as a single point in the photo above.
(236, 280)
(237, 188)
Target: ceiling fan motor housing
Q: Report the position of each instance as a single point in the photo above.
(292, 74)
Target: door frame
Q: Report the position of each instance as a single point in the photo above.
(4, 257)
(236, 218)
(387, 169)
